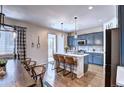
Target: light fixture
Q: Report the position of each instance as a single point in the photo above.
(62, 29)
(75, 36)
(90, 7)
(1, 16)
(3, 26)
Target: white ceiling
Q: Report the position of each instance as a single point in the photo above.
(52, 15)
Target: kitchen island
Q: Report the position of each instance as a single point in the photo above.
(79, 69)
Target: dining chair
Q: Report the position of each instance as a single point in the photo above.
(28, 63)
(38, 72)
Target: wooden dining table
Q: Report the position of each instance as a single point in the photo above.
(16, 75)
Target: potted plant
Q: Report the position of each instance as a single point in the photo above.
(66, 48)
(3, 62)
(2, 67)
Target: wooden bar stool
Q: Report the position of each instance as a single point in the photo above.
(61, 61)
(71, 62)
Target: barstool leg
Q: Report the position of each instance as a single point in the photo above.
(72, 71)
(55, 66)
(58, 64)
(64, 68)
(65, 74)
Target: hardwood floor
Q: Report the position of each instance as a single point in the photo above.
(94, 77)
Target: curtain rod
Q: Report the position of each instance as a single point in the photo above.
(13, 26)
(7, 31)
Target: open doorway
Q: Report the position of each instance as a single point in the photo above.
(51, 46)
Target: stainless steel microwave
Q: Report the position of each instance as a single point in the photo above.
(81, 42)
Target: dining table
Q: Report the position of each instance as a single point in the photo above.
(16, 75)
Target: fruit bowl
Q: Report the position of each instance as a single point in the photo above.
(2, 72)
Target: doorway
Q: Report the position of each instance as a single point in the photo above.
(51, 46)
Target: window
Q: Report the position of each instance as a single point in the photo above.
(6, 42)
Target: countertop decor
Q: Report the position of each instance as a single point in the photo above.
(38, 43)
(66, 48)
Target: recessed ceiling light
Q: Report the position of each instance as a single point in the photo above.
(90, 7)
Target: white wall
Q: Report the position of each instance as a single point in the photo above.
(60, 41)
(33, 31)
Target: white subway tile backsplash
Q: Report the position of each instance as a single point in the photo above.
(91, 48)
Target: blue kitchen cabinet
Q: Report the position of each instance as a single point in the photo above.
(90, 39)
(90, 58)
(98, 59)
(74, 42)
(71, 41)
(81, 37)
(98, 38)
(95, 58)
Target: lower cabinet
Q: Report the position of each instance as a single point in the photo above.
(95, 58)
(90, 58)
(98, 59)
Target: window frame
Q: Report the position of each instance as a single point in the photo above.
(8, 55)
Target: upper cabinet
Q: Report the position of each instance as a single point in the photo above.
(81, 37)
(90, 39)
(98, 38)
(71, 41)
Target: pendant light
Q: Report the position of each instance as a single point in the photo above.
(75, 36)
(62, 29)
(3, 26)
(1, 16)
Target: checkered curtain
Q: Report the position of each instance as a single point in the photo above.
(21, 44)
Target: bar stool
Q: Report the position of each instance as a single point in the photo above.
(61, 61)
(71, 62)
